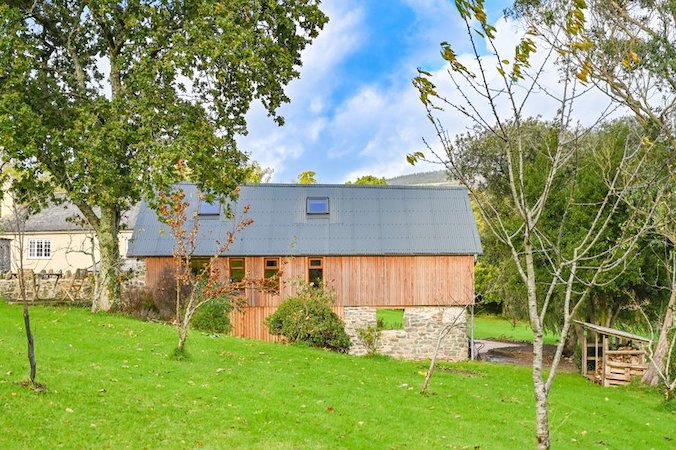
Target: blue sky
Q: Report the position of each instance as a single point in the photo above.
(354, 110)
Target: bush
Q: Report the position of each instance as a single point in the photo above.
(212, 317)
(138, 301)
(307, 317)
(369, 337)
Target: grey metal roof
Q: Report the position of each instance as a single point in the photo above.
(613, 332)
(363, 220)
(65, 217)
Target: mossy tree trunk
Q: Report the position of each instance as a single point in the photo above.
(107, 233)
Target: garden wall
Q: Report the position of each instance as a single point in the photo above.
(69, 287)
(418, 339)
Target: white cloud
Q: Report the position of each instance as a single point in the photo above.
(373, 129)
(397, 120)
(275, 147)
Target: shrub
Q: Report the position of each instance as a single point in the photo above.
(212, 317)
(138, 301)
(307, 317)
(369, 337)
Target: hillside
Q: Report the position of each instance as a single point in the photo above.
(437, 177)
(111, 384)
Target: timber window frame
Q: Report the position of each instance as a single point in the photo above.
(315, 271)
(271, 272)
(39, 249)
(236, 269)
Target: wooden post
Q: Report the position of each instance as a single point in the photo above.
(584, 353)
(605, 361)
(596, 352)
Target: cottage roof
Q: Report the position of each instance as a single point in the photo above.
(64, 217)
(362, 220)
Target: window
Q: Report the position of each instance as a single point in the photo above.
(271, 271)
(317, 205)
(271, 267)
(209, 208)
(197, 265)
(236, 269)
(316, 271)
(39, 248)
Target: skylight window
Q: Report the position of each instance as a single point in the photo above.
(317, 205)
(209, 208)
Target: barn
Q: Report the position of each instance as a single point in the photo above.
(398, 248)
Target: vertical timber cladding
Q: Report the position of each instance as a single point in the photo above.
(401, 280)
(358, 280)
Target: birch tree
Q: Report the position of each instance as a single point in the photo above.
(493, 91)
(627, 50)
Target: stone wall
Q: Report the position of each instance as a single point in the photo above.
(37, 288)
(418, 339)
(66, 287)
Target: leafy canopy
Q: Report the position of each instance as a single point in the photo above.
(369, 179)
(116, 100)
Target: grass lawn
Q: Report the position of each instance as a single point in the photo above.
(499, 328)
(391, 319)
(111, 384)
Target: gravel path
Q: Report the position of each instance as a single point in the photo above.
(518, 353)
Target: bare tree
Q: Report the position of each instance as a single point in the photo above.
(494, 91)
(627, 50)
(17, 225)
(197, 287)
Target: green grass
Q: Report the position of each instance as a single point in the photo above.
(391, 319)
(111, 383)
(499, 328)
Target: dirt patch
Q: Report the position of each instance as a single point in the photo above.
(521, 353)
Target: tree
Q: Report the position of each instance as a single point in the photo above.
(497, 278)
(194, 288)
(21, 210)
(307, 177)
(369, 179)
(111, 101)
(627, 50)
(492, 92)
(257, 174)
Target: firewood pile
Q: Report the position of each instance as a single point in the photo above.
(621, 364)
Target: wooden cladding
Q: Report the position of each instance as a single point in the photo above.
(357, 280)
(249, 322)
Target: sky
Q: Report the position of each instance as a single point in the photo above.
(354, 111)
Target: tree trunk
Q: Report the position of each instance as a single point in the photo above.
(651, 375)
(541, 414)
(539, 386)
(540, 390)
(31, 343)
(27, 319)
(109, 266)
(571, 342)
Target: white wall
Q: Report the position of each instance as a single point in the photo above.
(69, 250)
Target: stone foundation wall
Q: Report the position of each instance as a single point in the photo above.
(418, 339)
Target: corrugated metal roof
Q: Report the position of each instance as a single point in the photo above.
(613, 332)
(363, 220)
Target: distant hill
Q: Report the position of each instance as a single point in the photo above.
(433, 178)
